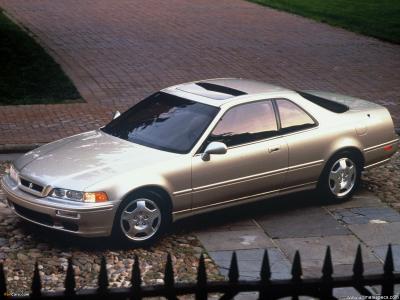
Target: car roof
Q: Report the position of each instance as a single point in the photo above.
(219, 91)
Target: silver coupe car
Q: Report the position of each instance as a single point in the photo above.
(197, 147)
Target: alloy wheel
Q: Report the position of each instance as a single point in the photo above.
(140, 219)
(342, 177)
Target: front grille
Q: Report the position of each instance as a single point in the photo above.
(31, 185)
(34, 215)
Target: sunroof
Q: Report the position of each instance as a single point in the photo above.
(220, 89)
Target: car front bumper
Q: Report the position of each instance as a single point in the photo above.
(83, 219)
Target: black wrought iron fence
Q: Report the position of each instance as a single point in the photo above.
(268, 288)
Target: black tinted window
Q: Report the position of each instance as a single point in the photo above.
(292, 116)
(163, 121)
(246, 123)
(325, 103)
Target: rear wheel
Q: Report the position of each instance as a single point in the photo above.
(141, 219)
(341, 176)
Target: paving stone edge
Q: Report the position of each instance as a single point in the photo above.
(16, 148)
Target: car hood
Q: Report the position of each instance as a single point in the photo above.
(80, 161)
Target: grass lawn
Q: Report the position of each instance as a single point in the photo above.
(28, 74)
(379, 19)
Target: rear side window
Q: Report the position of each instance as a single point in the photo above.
(246, 123)
(292, 117)
(325, 103)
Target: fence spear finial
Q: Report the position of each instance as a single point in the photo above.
(265, 273)
(389, 266)
(358, 268)
(70, 279)
(103, 277)
(169, 281)
(136, 280)
(296, 269)
(201, 292)
(233, 274)
(327, 268)
(36, 283)
(201, 271)
(3, 284)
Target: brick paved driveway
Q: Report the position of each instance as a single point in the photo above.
(117, 52)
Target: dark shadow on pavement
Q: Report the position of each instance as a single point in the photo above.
(275, 205)
(62, 240)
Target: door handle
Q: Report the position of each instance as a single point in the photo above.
(274, 148)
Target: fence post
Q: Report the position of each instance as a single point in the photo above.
(388, 277)
(201, 290)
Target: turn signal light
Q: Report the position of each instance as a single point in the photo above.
(95, 197)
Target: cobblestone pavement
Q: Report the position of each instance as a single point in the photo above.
(21, 244)
(117, 52)
(384, 182)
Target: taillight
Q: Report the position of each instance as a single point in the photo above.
(388, 148)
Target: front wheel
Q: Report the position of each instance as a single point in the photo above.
(141, 219)
(341, 176)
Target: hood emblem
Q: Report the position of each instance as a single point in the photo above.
(30, 185)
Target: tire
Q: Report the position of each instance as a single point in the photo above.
(141, 219)
(340, 177)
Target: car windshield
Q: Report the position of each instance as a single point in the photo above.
(164, 122)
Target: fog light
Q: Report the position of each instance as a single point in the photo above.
(68, 214)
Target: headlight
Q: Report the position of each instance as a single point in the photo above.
(67, 194)
(13, 173)
(90, 197)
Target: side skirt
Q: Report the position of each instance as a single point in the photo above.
(238, 201)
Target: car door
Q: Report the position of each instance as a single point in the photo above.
(256, 160)
(305, 150)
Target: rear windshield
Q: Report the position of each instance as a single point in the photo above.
(164, 122)
(325, 103)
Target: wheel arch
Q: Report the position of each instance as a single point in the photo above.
(149, 188)
(352, 149)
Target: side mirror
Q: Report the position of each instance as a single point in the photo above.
(116, 114)
(213, 148)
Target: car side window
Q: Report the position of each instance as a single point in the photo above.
(246, 123)
(292, 117)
